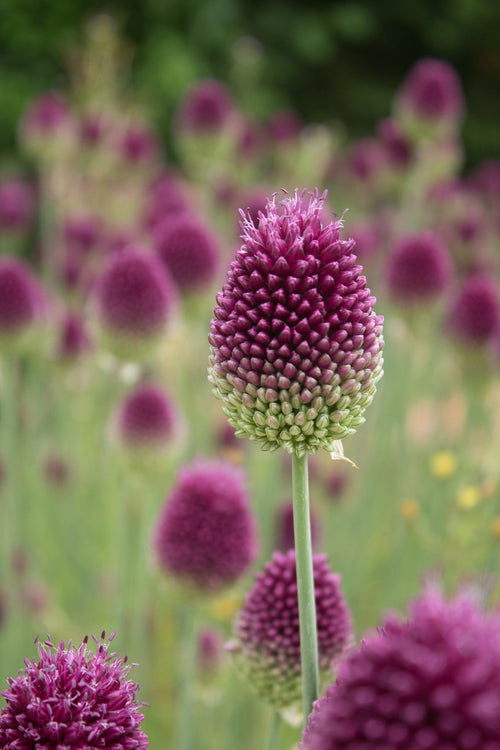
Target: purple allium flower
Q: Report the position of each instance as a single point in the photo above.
(16, 205)
(134, 297)
(166, 197)
(73, 699)
(419, 269)
(56, 471)
(296, 347)
(189, 250)
(73, 338)
(205, 536)
(335, 484)
(367, 158)
(147, 418)
(91, 129)
(433, 683)
(138, 144)
(255, 203)
(397, 148)
(475, 312)
(267, 639)
(285, 125)
(432, 93)
(285, 538)
(367, 238)
(82, 232)
(21, 298)
(206, 108)
(46, 114)
(210, 650)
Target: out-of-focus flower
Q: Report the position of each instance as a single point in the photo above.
(430, 99)
(398, 149)
(71, 698)
(205, 536)
(82, 233)
(56, 471)
(166, 197)
(210, 650)
(284, 535)
(22, 302)
(285, 125)
(74, 340)
(474, 313)
(138, 145)
(16, 206)
(189, 250)
(443, 464)
(468, 497)
(134, 300)
(296, 347)
(409, 509)
(432, 682)
(266, 630)
(419, 269)
(206, 108)
(46, 125)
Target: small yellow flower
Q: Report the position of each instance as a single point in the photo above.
(234, 455)
(468, 497)
(409, 509)
(225, 607)
(443, 464)
(495, 527)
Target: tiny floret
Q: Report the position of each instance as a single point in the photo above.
(296, 346)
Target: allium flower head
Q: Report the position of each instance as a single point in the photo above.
(73, 338)
(267, 638)
(475, 312)
(82, 232)
(189, 250)
(16, 205)
(205, 536)
(71, 698)
(432, 94)
(147, 418)
(419, 269)
(206, 108)
(46, 114)
(296, 347)
(21, 298)
(134, 299)
(432, 683)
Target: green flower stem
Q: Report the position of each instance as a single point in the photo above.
(187, 676)
(272, 741)
(305, 584)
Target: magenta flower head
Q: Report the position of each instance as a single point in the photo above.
(296, 347)
(285, 125)
(138, 145)
(189, 251)
(147, 422)
(431, 98)
(266, 630)
(167, 196)
(16, 206)
(433, 683)
(46, 125)
(72, 698)
(210, 651)
(419, 269)
(22, 303)
(205, 536)
(206, 109)
(285, 539)
(74, 341)
(82, 233)
(134, 300)
(475, 311)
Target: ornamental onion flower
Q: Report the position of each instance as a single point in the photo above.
(205, 535)
(72, 698)
(22, 302)
(267, 642)
(475, 311)
(419, 269)
(206, 108)
(296, 347)
(431, 683)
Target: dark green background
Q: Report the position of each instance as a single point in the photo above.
(331, 60)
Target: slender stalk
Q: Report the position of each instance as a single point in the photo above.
(274, 729)
(188, 625)
(305, 584)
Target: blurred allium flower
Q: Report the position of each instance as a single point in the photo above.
(205, 536)
(138, 144)
(267, 639)
(206, 108)
(296, 347)
(71, 698)
(367, 238)
(46, 114)
(82, 232)
(210, 650)
(22, 302)
(285, 125)
(73, 338)
(134, 299)
(166, 197)
(189, 250)
(433, 683)
(147, 419)
(56, 471)
(399, 151)
(419, 269)
(16, 206)
(285, 538)
(367, 158)
(431, 95)
(475, 311)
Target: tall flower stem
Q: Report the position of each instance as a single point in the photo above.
(189, 633)
(272, 740)
(305, 583)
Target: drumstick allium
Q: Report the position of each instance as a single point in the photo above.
(296, 346)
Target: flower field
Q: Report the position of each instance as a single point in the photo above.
(182, 335)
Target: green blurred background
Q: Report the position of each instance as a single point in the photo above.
(329, 60)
